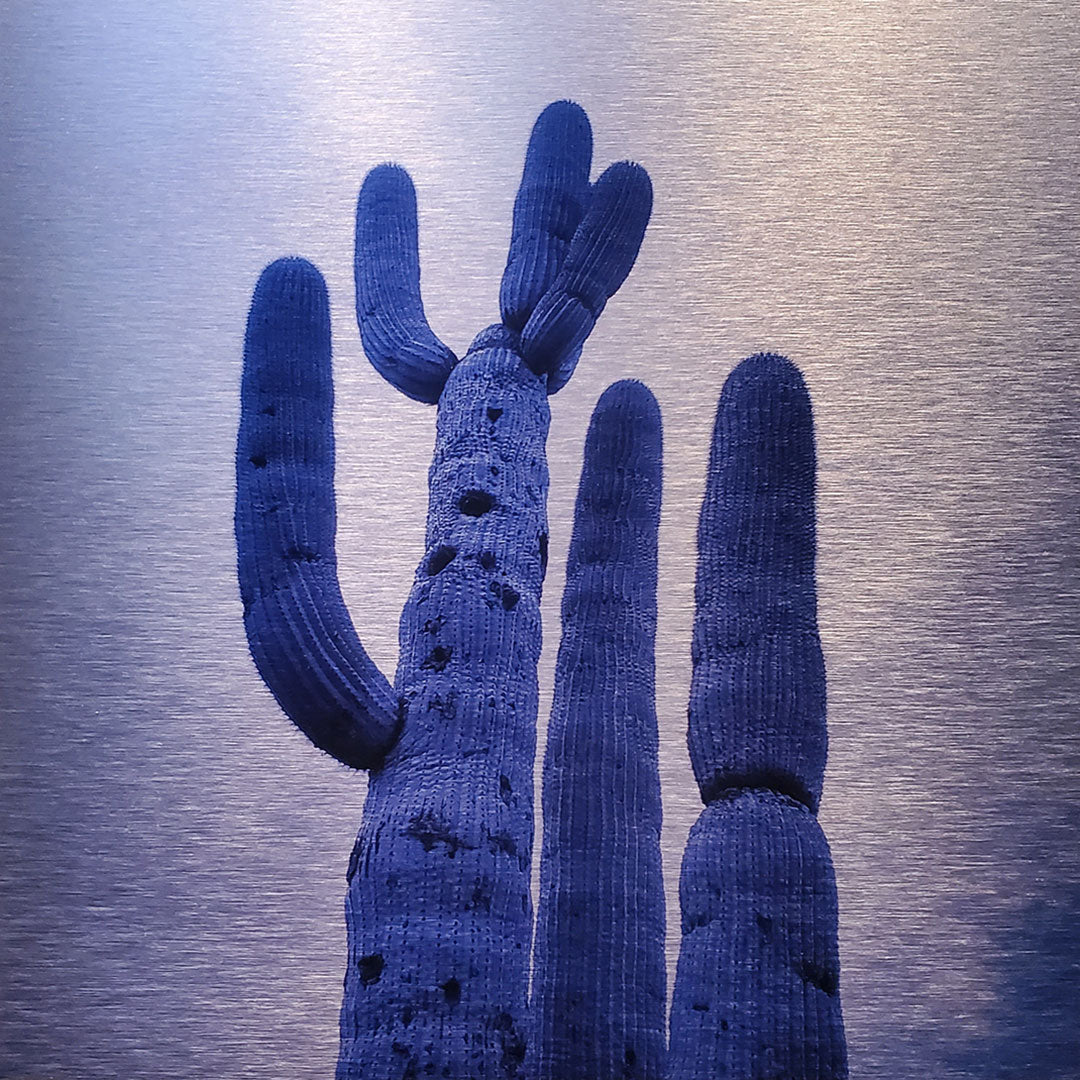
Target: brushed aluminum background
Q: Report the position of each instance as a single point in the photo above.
(885, 191)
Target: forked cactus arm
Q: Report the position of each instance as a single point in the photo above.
(756, 992)
(300, 634)
(598, 260)
(438, 910)
(548, 209)
(599, 997)
(393, 328)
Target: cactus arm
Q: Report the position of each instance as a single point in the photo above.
(598, 260)
(438, 906)
(393, 328)
(299, 631)
(758, 696)
(548, 208)
(599, 994)
(756, 991)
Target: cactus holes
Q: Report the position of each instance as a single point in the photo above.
(437, 659)
(258, 460)
(493, 414)
(819, 976)
(476, 503)
(543, 541)
(451, 991)
(440, 559)
(506, 594)
(487, 560)
(371, 968)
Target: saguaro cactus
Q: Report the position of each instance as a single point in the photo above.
(438, 906)
(757, 990)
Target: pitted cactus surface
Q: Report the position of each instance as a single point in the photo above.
(438, 908)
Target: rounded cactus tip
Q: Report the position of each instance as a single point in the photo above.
(290, 287)
(631, 177)
(633, 399)
(562, 134)
(387, 180)
(626, 421)
(288, 274)
(563, 111)
(765, 410)
(766, 367)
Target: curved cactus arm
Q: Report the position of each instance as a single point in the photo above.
(548, 208)
(599, 995)
(300, 634)
(756, 992)
(393, 328)
(600, 256)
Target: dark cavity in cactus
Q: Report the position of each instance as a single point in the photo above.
(438, 908)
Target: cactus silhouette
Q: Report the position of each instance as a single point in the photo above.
(438, 908)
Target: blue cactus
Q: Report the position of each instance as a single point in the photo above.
(757, 988)
(438, 906)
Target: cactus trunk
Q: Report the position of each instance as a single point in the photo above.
(439, 912)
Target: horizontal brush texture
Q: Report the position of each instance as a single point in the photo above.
(300, 634)
(599, 982)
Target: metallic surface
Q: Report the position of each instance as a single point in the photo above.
(883, 191)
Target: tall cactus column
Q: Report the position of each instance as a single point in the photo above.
(438, 909)
(756, 992)
(599, 989)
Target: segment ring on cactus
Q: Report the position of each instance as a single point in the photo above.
(438, 907)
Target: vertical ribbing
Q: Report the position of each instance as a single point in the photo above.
(299, 631)
(757, 987)
(757, 699)
(389, 311)
(756, 992)
(598, 260)
(549, 205)
(599, 981)
(438, 909)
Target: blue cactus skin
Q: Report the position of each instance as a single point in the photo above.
(300, 634)
(599, 988)
(438, 907)
(757, 987)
